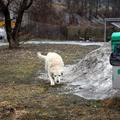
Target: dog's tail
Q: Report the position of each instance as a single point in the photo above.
(41, 56)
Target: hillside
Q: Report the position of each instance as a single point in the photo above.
(74, 19)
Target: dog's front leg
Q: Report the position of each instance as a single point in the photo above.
(52, 83)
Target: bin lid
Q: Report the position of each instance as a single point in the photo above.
(115, 36)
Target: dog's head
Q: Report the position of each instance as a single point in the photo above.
(57, 76)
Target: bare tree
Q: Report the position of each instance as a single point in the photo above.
(21, 5)
(41, 10)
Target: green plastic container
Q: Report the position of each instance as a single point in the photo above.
(115, 40)
(116, 77)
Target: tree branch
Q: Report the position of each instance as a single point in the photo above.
(8, 3)
(29, 4)
(2, 5)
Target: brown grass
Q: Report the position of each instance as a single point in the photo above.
(37, 100)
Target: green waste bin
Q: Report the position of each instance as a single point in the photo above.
(115, 40)
(115, 45)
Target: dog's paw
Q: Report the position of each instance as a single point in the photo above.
(52, 83)
(38, 53)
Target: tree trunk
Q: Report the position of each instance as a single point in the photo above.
(24, 6)
(18, 24)
(12, 42)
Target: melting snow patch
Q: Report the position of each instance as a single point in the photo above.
(64, 42)
(91, 78)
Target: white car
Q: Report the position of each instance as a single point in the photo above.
(3, 36)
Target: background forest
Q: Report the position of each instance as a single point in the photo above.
(72, 19)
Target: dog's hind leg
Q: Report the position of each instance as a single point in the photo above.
(52, 83)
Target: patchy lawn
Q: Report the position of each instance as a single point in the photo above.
(23, 97)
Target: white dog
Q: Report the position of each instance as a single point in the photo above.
(54, 65)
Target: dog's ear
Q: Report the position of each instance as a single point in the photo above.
(52, 75)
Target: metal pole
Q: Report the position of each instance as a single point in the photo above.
(105, 31)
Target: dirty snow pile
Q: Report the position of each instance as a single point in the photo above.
(3, 33)
(91, 78)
